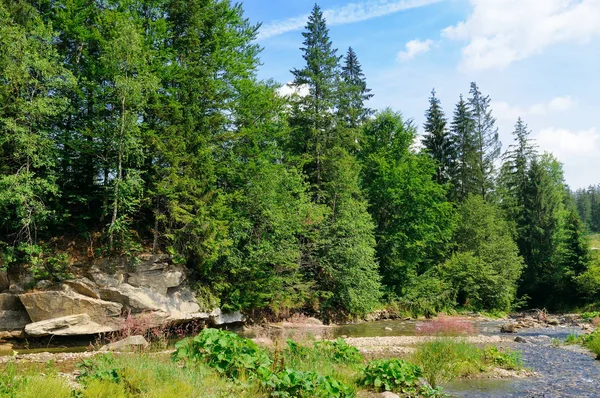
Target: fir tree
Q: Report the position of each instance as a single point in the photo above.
(513, 179)
(354, 93)
(486, 140)
(463, 178)
(437, 140)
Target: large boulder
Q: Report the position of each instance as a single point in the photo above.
(128, 344)
(46, 305)
(13, 315)
(72, 325)
(157, 273)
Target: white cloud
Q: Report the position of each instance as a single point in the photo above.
(351, 13)
(566, 144)
(505, 111)
(414, 48)
(561, 104)
(500, 32)
(288, 90)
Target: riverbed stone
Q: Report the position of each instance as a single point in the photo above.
(520, 339)
(72, 325)
(553, 321)
(128, 344)
(509, 327)
(389, 394)
(42, 306)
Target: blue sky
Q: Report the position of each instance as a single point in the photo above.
(537, 59)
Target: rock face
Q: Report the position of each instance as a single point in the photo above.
(109, 295)
(72, 325)
(127, 344)
(13, 316)
(42, 306)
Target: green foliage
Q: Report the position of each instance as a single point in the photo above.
(413, 220)
(394, 375)
(227, 353)
(486, 267)
(592, 342)
(338, 351)
(445, 359)
(295, 383)
(505, 359)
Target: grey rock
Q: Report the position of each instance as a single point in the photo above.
(44, 284)
(72, 325)
(520, 339)
(4, 282)
(388, 329)
(218, 318)
(133, 298)
(42, 306)
(509, 327)
(12, 313)
(553, 322)
(84, 286)
(159, 280)
(128, 344)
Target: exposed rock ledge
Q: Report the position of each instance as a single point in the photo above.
(154, 292)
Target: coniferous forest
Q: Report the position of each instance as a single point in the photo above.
(141, 126)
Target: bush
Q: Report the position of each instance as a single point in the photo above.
(294, 383)
(394, 375)
(505, 359)
(227, 353)
(593, 343)
(338, 351)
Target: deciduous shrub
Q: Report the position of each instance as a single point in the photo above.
(394, 375)
(506, 358)
(227, 353)
(294, 383)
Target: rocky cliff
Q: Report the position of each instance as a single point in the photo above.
(100, 299)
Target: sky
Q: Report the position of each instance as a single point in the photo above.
(536, 59)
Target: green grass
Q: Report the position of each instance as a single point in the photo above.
(444, 359)
(221, 364)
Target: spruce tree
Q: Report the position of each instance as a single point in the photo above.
(354, 93)
(339, 253)
(487, 143)
(463, 178)
(539, 240)
(438, 142)
(512, 182)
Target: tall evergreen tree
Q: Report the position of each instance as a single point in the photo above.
(339, 254)
(487, 143)
(354, 93)
(438, 141)
(513, 179)
(539, 240)
(463, 178)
